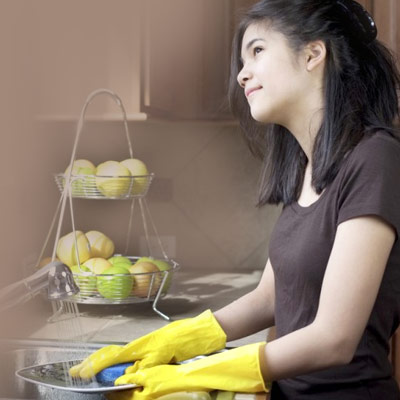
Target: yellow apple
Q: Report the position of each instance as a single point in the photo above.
(66, 249)
(100, 244)
(137, 169)
(144, 272)
(97, 265)
(80, 164)
(149, 259)
(163, 265)
(113, 179)
(82, 179)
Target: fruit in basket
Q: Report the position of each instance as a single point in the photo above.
(113, 179)
(100, 244)
(82, 185)
(120, 260)
(163, 265)
(97, 265)
(78, 165)
(115, 283)
(149, 259)
(145, 273)
(85, 279)
(137, 168)
(66, 249)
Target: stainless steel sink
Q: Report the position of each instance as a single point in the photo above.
(18, 354)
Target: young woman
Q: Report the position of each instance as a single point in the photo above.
(315, 93)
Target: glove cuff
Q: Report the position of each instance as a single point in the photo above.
(263, 367)
(208, 319)
(197, 336)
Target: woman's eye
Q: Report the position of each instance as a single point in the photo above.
(257, 50)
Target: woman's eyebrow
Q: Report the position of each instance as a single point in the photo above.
(249, 44)
(252, 41)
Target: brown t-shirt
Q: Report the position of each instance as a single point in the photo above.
(368, 183)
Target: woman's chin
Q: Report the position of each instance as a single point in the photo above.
(260, 117)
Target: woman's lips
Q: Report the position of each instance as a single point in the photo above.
(251, 90)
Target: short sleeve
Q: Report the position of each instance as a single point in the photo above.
(371, 182)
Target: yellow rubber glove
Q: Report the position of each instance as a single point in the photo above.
(236, 370)
(177, 341)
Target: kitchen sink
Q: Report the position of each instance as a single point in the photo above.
(18, 354)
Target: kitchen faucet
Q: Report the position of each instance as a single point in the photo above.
(55, 276)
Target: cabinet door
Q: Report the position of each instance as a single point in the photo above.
(86, 45)
(185, 58)
(387, 15)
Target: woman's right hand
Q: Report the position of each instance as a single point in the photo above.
(177, 341)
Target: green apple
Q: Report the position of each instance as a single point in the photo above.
(100, 244)
(120, 260)
(66, 249)
(145, 272)
(113, 179)
(138, 170)
(85, 279)
(115, 283)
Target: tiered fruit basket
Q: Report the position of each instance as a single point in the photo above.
(123, 288)
(118, 187)
(116, 288)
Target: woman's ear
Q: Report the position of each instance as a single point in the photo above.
(315, 54)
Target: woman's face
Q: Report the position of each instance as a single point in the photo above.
(273, 76)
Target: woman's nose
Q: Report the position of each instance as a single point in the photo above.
(243, 77)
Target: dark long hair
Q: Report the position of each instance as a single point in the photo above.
(360, 94)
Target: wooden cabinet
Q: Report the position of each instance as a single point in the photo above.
(82, 46)
(387, 16)
(167, 59)
(185, 59)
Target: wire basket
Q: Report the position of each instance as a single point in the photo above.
(105, 187)
(123, 288)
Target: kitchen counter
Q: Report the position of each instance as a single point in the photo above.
(191, 293)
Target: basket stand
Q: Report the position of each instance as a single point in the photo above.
(67, 194)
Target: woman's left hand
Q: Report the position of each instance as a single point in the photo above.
(236, 370)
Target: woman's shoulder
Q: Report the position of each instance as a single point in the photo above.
(381, 146)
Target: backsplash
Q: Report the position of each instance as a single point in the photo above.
(202, 199)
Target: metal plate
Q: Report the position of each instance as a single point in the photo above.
(56, 376)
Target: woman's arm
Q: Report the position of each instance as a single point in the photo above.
(252, 312)
(350, 287)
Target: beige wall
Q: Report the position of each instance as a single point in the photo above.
(202, 199)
